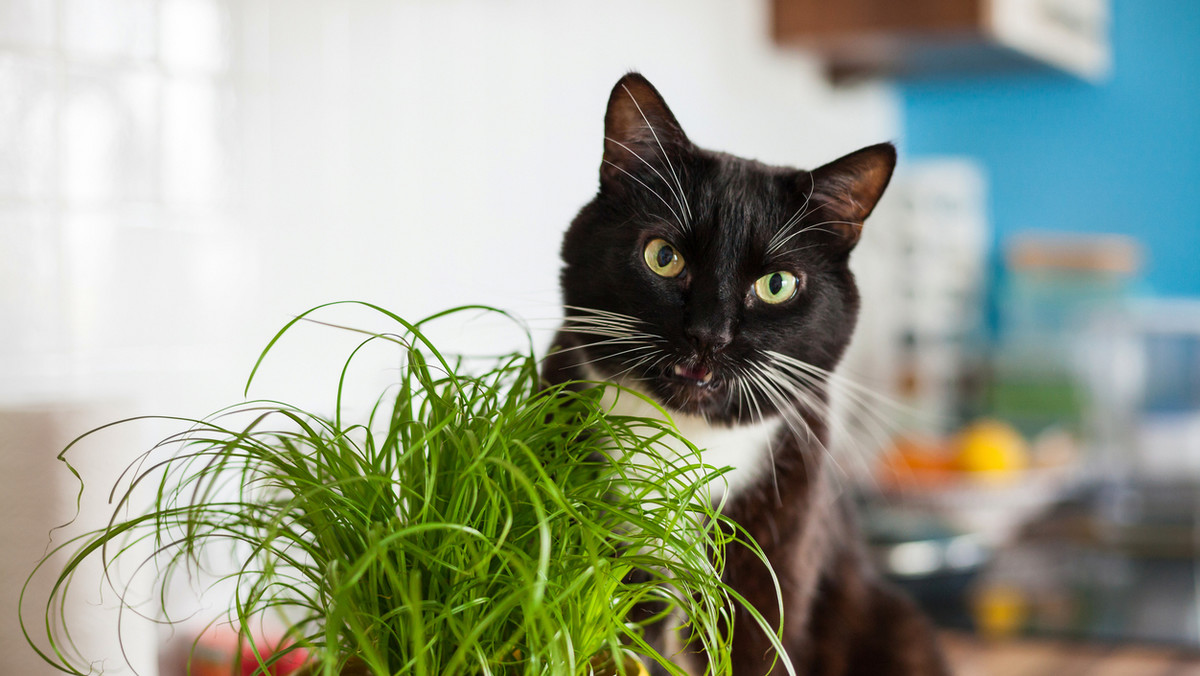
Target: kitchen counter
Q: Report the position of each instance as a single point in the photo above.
(973, 656)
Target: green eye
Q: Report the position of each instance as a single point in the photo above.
(776, 287)
(662, 258)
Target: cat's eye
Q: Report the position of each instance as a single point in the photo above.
(662, 258)
(776, 287)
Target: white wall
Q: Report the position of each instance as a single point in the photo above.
(185, 175)
(179, 177)
(428, 154)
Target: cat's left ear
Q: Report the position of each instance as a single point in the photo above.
(639, 131)
(851, 186)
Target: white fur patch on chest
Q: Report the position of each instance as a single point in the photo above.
(746, 449)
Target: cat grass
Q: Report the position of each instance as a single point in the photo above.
(475, 522)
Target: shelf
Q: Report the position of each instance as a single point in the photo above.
(921, 38)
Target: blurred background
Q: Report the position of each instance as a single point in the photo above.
(178, 178)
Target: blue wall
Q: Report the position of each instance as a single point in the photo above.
(1065, 155)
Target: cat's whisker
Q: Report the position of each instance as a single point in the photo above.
(659, 360)
(743, 395)
(641, 379)
(811, 400)
(746, 398)
(619, 376)
(814, 400)
(612, 341)
(603, 319)
(609, 333)
(678, 197)
(642, 363)
(782, 236)
(738, 388)
(753, 398)
(810, 228)
(602, 316)
(614, 356)
(801, 213)
(603, 322)
(774, 471)
(796, 217)
(760, 378)
(783, 388)
(792, 418)
(822, 382)
(681, 230)
(606, 313)
(841, 379)
(861, 415)
(794, 250)
(879, 430)
(798, 249)
(873, 422)
(618, 330)
(862, 412)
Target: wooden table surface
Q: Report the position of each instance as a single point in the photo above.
(972, 656)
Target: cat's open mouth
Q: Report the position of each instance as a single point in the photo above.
(698, 375)
(693, 389)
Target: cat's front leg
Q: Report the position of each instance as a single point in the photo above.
(754, 651)
(794, 527)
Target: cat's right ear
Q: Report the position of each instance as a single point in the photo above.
(850, 187)
(639, 131)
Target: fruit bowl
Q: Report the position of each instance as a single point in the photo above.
(985, 480)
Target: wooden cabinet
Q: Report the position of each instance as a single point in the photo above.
(933, 37)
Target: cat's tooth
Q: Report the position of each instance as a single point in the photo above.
(691, 374)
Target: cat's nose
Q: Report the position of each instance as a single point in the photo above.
(709, 338)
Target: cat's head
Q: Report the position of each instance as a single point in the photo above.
(713, 283)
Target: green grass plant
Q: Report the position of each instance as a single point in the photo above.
(476, 522)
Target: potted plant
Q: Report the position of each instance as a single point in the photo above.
(476, 522)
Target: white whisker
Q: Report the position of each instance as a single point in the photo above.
(652, 191)
(814, 400)
(744, 394)
(789, 415)
(614, 356)
(841, 380)
(622, 332)
(809, 228)
(782, 236)
(635, 365)
(796, 217)
(607, 313)
(611, 341)
(678, 196)
(666, 158)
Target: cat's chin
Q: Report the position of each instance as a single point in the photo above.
(684, 395)
(690, 393)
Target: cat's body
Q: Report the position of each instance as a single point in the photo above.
(718, 286)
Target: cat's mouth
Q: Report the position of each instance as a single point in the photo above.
(697, 375)
(694, 389)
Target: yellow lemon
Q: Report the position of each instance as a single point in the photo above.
(991, 446)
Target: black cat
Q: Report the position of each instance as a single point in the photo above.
(719, 287)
